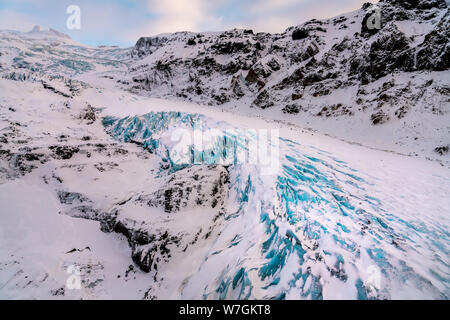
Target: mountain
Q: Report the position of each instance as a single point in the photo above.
(386, 88)
(147, 172)
(37, 30)
(48, 53)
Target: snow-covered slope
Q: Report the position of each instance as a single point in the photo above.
(50, 54)
(91, 189)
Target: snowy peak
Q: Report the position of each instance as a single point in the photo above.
(42, 53)
(348, 68)
(38, 30)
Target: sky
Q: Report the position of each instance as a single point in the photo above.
(122, 22)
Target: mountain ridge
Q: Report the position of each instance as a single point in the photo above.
(322, 69)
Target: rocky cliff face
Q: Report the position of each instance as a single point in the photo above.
(324, 68)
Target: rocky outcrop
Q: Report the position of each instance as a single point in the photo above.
(305, 64)
(196, 186)
(193, 188)
(147, 45)
(434, 52)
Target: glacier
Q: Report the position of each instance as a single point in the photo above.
(316, 216)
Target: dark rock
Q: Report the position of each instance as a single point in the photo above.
(53, 89)
(23, 163)
(263, 100)
(299, 34)
(387, 54)
(434, 52)
(379, 118)
(231, 47)
(372, 21)
(88, 114)
(147, 45)
(182, 190)
(401, 112)
(334, 110)
(147, 256)
(58, 292)
(442, 150)
(238, 85)
(296, 96)
(63, 152)
(291, 109)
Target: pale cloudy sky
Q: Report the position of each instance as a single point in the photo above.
(122, 22)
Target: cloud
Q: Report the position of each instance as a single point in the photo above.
(124, 21)
(12, 20)
(278, 15)
(175, 15)
(181, 15)
(259, 15)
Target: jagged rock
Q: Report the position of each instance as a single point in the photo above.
(238, 85)
(146, 45)
(23, 163)
(88, 114)
(379, 118)
(401, 112)
(148, 256)
(296, 96)
(434, 52)
(337, 109)
(199, 185)
(53, 89)
(291, 109)
(270, 63)
(63, 152)
(387, 54)
(442, 150)
(230, 47)
(416, 4)
(263, 100)
(71, 198)
(299, 34)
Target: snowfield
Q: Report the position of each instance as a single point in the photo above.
(95, 205)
